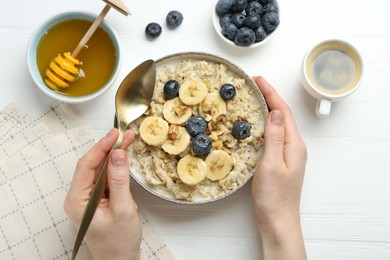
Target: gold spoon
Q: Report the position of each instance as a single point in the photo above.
(132, 99)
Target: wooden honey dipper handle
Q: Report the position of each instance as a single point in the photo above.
(118, 5)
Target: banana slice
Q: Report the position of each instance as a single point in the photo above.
(213, 105)
(192, 92)
(178, 140)
(175, 112)
(154, 130)
(191, 170)
(219, 164)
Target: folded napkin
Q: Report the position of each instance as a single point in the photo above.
(37, 160)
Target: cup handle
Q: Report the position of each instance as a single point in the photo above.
(323, 107)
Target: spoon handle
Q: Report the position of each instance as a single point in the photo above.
(94, 200)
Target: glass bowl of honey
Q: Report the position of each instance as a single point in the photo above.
(100, 58)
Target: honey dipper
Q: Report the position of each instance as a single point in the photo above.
(63, 69)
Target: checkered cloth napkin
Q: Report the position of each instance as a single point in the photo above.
(37, 159)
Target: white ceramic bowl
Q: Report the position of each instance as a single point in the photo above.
(32, 53)
(218, 30)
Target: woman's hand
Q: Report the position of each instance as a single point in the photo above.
(278, 180)
(115, 231)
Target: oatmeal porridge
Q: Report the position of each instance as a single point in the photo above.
(202, 134)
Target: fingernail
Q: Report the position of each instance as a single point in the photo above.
(118, 158)
(277, 117)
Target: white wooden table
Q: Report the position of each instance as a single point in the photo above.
(346, 195)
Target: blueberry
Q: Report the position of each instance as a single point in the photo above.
(245, 37)
(224, 6)
(254, 8)
(171, 89)
(241, 130)
(252, 21)
(229, 30)
(260, 34)
(174, 19)
(238, 19)
(153, 30)
(264, 2)
(268, 8)
(201, 144)
(239, 5)
(226, 18)
(270, 21)
(196, 125)
(227, 91)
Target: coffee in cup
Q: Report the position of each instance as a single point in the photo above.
(331, 71)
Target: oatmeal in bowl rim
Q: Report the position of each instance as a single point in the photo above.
(165, 159)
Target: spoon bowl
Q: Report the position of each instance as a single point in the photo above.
(133, 97)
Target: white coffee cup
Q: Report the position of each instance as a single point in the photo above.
(331, 71)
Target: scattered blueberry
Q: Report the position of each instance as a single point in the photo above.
(174, 19)
(153, 30)
(201, 144)
(241, 130)
(238, 19)
(254, 8)
(260, 34)
(252, 21)
(239, 5)
(226, 18)
(270, 21)
(196, 125)
(229, 30)
(245, 37)
(227, 91)
(224, 6)
(171, 89)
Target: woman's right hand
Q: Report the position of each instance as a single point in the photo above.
(115, 231)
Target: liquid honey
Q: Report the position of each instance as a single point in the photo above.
(98, 57)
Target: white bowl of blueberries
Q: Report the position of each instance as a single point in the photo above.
(246, 23)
